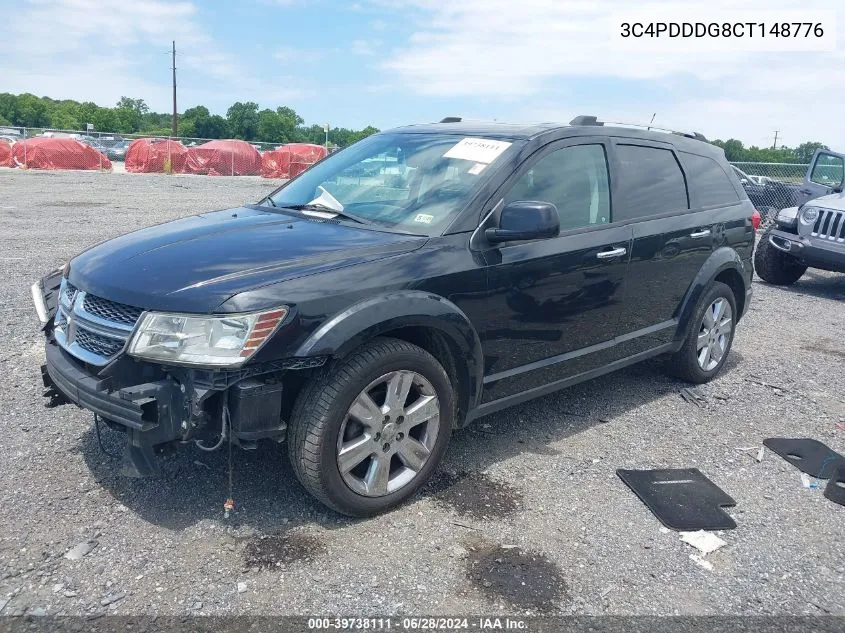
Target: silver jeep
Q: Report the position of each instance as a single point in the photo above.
(811, 235)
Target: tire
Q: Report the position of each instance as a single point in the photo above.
(323, 411)
(775, 266)
(686, 362)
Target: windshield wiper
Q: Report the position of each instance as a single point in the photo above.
(270, 200)
(322, 208)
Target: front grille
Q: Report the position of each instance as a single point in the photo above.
(830, 225)
(69, 293)
(97, 343)
(111, 310)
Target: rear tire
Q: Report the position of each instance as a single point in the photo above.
(357, 450)
(775, 266)
(713, 323)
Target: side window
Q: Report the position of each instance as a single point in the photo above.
(575, 180)
(828, 170)
(708, 182)
(650, 182)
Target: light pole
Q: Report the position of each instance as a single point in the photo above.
(326, 130)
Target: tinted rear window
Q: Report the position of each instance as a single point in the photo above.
(650, 182)
(708, 182)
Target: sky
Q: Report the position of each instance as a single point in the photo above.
(394, 62)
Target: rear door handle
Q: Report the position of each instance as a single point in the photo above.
(616, 252)
(700, 234)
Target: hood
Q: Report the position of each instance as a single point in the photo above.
(834, 201)
(196, 263)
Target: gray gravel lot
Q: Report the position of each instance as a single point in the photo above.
(525, 516)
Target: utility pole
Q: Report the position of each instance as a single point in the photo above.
(175, 125)
(775, 144)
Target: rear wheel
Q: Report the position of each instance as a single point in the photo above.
(709, 336)
(368, 432)
(775, 266)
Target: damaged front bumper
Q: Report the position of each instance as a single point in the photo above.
(151, 414)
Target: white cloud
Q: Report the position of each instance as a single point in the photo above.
(99, 50)
(504, 51)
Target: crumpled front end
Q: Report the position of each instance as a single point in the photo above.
(158, 407)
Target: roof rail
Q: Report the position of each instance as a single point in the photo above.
(451, 119)
(586, 119)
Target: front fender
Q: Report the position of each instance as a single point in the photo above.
(367, 319)
(721, 259)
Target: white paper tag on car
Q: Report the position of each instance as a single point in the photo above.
(478, 150)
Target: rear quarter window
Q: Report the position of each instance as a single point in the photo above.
(650, 182)
(709, 185)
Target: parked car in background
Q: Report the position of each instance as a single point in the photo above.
(115, 149)
(811, 235)
(420, 279)
(768, 196)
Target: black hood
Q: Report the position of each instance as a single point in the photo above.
(196, 263)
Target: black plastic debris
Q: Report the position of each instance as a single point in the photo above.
(681, 498)
(807, 455)
(693, 396)
(835, 490)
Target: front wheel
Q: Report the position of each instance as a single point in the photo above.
(775, 266)
(709, 336)
(369, 431)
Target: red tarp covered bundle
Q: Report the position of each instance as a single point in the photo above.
(275, 164)
(6, 154)
(303, 155)
(290, 160)
(224, 158)
(146, 155)
(57, 153)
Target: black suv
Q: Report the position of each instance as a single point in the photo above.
(400, 289)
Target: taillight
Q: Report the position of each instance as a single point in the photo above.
(755, 219)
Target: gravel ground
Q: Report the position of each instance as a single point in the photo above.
(525, 516)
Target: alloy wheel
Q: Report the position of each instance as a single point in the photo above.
(388, 433)
(714, 334)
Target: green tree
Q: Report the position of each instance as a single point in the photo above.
(8, 107)
(30, 111)
(243, 120)
(804, 152)
(129, 114)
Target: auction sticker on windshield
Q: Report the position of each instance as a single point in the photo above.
(478, 150)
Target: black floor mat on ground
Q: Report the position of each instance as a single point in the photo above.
(808, 456)
(681, 498)
(835, 490)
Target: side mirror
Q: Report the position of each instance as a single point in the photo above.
(525, 220)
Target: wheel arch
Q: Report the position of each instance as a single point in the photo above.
(723, 265)
(424, 319)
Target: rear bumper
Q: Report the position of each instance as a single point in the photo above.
(815, 253)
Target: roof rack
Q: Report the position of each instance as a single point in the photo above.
(587, 119)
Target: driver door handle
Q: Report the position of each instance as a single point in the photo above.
(616, 252)
(699, 234)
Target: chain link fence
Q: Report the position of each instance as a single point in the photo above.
(39, 148)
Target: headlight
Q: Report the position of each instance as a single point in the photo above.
(809, 215)
(203, 340)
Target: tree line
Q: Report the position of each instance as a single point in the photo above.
(736, 152)
(243, 120)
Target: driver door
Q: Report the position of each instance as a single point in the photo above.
(824, 176)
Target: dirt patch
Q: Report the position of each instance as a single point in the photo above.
(825, 346)
(274, 551)
(526, 580)
(474, 494)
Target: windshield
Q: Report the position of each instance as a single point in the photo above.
(410, 182)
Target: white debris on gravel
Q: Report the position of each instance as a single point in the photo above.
(80, 550)
(704, 542)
